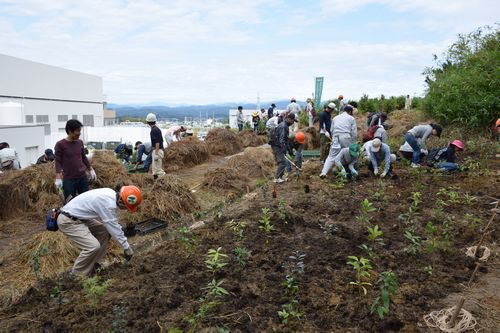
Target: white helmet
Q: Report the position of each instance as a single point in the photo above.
(151, 118)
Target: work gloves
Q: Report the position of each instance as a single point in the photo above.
(93, 175)
(375, 172)
(128, 253)
(327, 134)
(59, 183)
(383, 174)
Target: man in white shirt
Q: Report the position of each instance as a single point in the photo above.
(91, 218)
(294, 108)
(174, 134)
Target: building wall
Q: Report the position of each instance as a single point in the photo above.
(28, 141)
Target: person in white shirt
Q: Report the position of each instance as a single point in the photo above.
(294, 108)
(91, 218)
(311, 113)
(9, 159)
(174, 134)
(344, 131)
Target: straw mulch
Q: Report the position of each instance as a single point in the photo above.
(110, 172)
(185, 153)
(226, 178)
(312, 138)
(142, 180)
(29, 190)
(167, 199)
(222, 141)
(250, 139)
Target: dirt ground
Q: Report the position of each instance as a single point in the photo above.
(160, 289)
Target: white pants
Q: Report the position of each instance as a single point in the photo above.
(311, 121)
(339, 141)
(157, 164)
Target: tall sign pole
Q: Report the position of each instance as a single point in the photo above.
(318, 90)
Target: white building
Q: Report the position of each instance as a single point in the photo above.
(247, 113)
(36, 94)
(27, 140)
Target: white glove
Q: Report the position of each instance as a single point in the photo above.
(59, 183)
(375, 172)
(128, 253)
(93, 175)
(383, 174)
(327, 134)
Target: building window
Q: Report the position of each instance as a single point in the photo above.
(75, 116)
(47, 129)
(62, 130)
(62, 117)
(42, 119)
(31, 154)
(88, 120)
(28, 119)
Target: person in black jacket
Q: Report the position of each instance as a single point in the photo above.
(445, 158)
(279, 144)
(325, 124)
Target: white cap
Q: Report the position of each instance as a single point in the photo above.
(151, 118)
(376, 143)
(332, 106)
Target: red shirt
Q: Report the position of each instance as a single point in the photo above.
(71, 159)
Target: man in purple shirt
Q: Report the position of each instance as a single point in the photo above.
(71, 162)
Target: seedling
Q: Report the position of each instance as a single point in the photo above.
(413, 209)
(282, 211)
(265, 221)
(388, 284)
(187, 240)
(119, 319)
(412, 249)
(362, 268)
(469, 199)
(329, 229)
(242, 255)
(428, 269)
(35, 256)
(340, 181)
(374, 235)
(213, 290)
(366, 209)
(94, 290)
(296, 264)
(290, 286)
(453, 196)
(57, 293)
(367, 249)
(216, 260)
(238, 228)
(263, 184)
(289, 311)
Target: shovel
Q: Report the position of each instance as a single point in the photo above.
(291, 162)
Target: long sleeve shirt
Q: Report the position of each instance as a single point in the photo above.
(344, 123)
(240, 119)
(421, 132)
(145, 149)
(273, 122)
(98, 204)
(282, 133)
(381, 133)
(376, 158)
(293, 108)
(344, 158)
(325, 122)
(71, 159)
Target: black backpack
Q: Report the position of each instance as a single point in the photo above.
(434, 156)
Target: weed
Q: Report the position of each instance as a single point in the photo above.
(428, 269)
(265, 221)
(216, 260)
(119, 318)
(242, 255)
(468, 199)
(35, 256)
(199, 214)
(57, 293)
(412, 249)
(329, 229)
(94, 290)
(362, 268)
(472, 221)
(289, 311)
(367, 249)
(282, 211)
(366, 208)
(374, 235)
(388, 284)
(187, 240)
(238, 228)
(431, 229)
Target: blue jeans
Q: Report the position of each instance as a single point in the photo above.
(74, 186)
(147, 162)
(298, 162)
(410, 138)
(447, 166)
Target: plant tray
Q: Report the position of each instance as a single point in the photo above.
(145, 227)
(310, 154)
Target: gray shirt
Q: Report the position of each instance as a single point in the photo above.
(344, 123)
(343, 158)
(381, 133)
(421, 132)
(293, 108)
(241, 118)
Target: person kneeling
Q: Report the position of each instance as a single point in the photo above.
(375, 152)
(444, 159)
(347, 157)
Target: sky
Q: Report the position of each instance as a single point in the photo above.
(214, 51)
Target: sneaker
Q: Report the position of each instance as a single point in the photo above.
(322, 176)
(414, 165)
(278, 180)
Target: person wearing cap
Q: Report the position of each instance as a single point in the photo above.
(375, 152)
(347, 157)
(143, 149)
(157, 146)
(294, 108)
(445, 158)
(174, 134)
(295, 143)
(123, 152)
(8, 158)
(255, 120)
(240, 119)
(270, 111)
(91, 218)
(344, 129)
(279, 144)
(325, 123)
(422, 132)
(47, 157)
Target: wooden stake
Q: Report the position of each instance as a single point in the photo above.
(456, 312)
(485, 231)
(473, 274)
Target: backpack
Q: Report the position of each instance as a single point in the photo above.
(434, 156)
(370, 117)
(51, 220)
(370, 135)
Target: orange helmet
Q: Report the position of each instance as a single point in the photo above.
(131, 196)
(300, 137)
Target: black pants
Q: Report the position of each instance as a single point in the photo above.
(74, 186)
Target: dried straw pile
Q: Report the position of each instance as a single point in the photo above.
(185, 153)
(250, 139)
(142, 180)
(222, 141)
(28, 190)
(225, 178)
(167, 199)
(110, 172)
(312, 138)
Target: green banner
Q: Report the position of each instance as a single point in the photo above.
(318, 90)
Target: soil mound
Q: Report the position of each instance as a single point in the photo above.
(185, 153)
(110, 172)
(222, 141)
(250, 139)
(225, 178)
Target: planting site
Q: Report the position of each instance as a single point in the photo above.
(240, 253)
